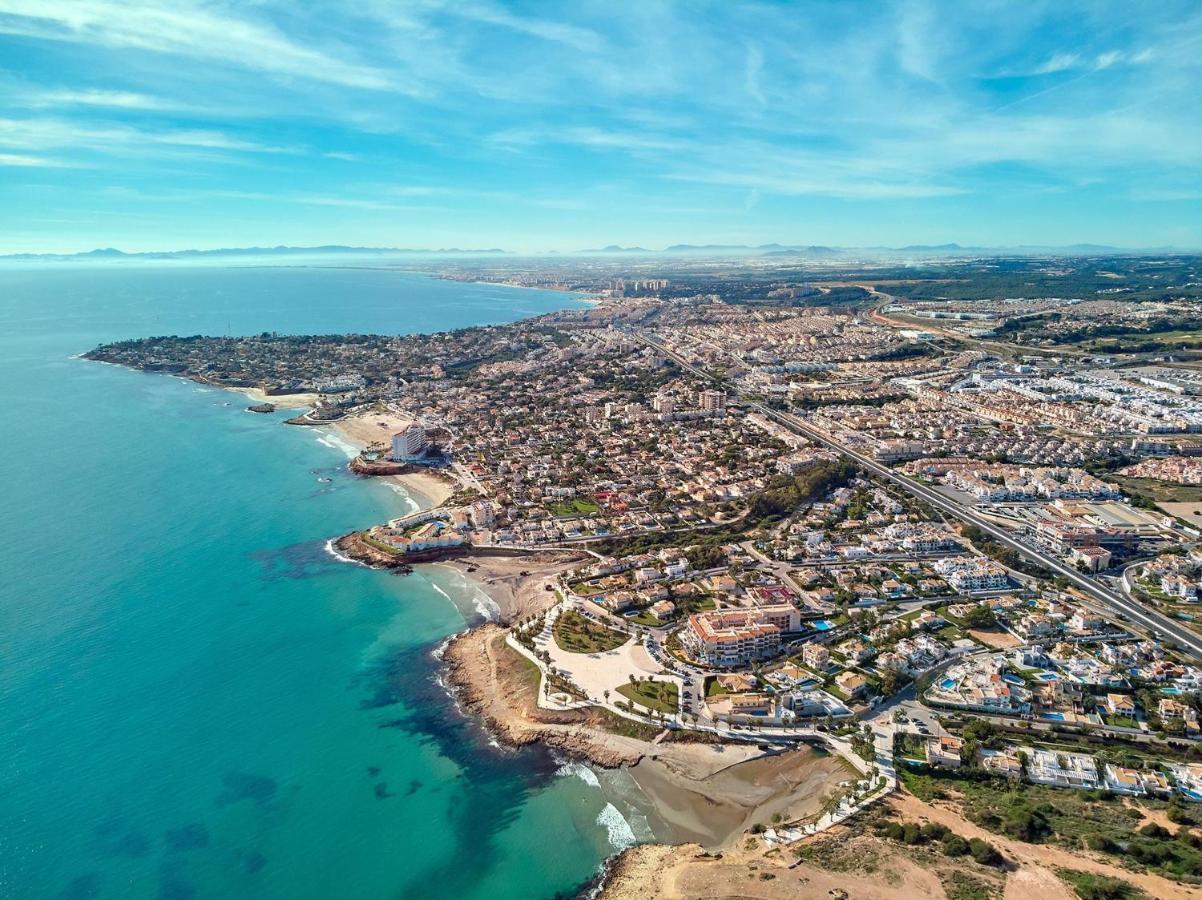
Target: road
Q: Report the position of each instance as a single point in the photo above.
(1160, 626)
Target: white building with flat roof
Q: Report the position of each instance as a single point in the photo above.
(409, 443)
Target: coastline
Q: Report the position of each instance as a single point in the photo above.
(704, 793)
(369, 428)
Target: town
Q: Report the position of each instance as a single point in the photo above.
(887, 526)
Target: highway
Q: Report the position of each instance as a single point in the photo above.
(1161, 626)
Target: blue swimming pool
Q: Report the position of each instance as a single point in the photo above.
(1171, 691)
(1193, 795)
(823, 625)
(1047, 676)
(947, 684)
(1012, 679)
(1054, 716)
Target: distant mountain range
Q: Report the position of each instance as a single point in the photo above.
(328, 249)
(809, 251)
(814, 251)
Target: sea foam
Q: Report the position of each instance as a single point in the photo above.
(621, 835)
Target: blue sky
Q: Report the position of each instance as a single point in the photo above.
(534, 126)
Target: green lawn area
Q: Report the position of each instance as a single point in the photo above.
(574, 506)
(1121, 721)
(661, 695)
(913, 746)
(713, 688)
(584, 589)
(949, 632)
(645, 618)
(834, 690)
(576, 634)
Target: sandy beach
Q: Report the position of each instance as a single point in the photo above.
(715, 808)
(374, 429)
(516, 595)
(280, 401)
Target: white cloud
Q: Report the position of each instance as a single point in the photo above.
(95, 97)
(1058, 62)
(47, 133)
(185, 29)
(23, 160)
(752, 72)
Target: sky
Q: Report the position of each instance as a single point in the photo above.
(562, 126)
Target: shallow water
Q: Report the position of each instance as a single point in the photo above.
(196, 698)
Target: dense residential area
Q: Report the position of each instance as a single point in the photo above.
(950, 548)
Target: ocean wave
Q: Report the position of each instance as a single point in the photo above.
(486, 606)
(581, 771)
(621, 835)
(414, 506)
(481, 602)
(333, 551)
(328, 439)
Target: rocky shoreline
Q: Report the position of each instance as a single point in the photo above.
(372, 467)
(501, 693)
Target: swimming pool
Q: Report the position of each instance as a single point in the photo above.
(1054, 716)
(947, 684)
(1193, 795)
(1047, 676)
(823, 625)
(1171, 691)
(1012, 679)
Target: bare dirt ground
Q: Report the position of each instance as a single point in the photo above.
(848, 863)
(1037, 856)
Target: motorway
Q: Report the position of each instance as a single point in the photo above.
(1161, 626)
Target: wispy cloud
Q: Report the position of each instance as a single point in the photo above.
(25, 161)
(515, 114)
(129, 100)
(47, 133)
(185, 29)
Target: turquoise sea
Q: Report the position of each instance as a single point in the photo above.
(196, 699)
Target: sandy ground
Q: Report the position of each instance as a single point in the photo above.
(516, 595)
(998, 639)
(865, 867)
(426, 488)
(1189, 512)
(281, 401)
(656, 872)
(370, 428)
(715, 809)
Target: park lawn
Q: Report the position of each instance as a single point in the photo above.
(576, 634)
(660, 695)
(575, 506)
